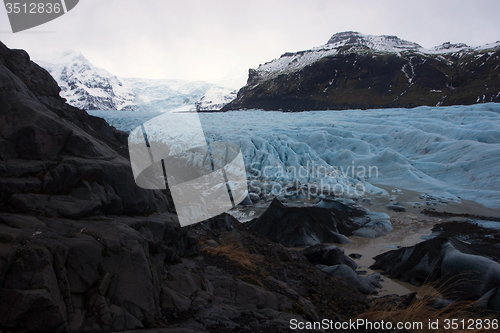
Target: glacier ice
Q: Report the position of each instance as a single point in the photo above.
(449, 152)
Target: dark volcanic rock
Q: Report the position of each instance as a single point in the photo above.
(304, 226)
(307, 226)
(396, 208)
(86, 275)
(332, 260)
(56, 160)
(366, 285)
(418, 265)
(328, 255)
(462, 260)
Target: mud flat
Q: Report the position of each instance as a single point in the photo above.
(411, 226)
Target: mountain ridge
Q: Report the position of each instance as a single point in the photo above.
(89, 87)
(353, 70)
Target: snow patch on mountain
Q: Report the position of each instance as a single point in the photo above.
(382, 43)
(215, 98)
(448, 48)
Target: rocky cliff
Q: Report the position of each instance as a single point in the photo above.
(83, 249)
(356, 71)
(55, 159)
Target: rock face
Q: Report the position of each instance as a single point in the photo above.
(328, 255)
(58, 163)
(332, 260)
(307, 226)
(366, 285)
(56, 160)
(355, 71)
(63, 275)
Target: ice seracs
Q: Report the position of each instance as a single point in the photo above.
(450, 153)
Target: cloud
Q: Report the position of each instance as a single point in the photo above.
(206, 40)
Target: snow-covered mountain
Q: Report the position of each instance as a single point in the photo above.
(91, 88)
(354, 42)
(215, 98)
(354, 70)
(86, 86)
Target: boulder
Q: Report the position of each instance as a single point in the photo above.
(396, 208)
(372, 225)
(366, 285)
(30, 310)
(328, 255)
(328, 223)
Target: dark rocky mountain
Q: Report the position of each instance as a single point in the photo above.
(356, 71)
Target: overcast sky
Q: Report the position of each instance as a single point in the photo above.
(207, 40)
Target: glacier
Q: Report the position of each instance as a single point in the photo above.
(451, 153)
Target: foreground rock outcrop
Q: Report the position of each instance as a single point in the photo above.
(327, 222)
(58, 166)
(115, 273)
(86, 275)
(56, 160)
(332, 260)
